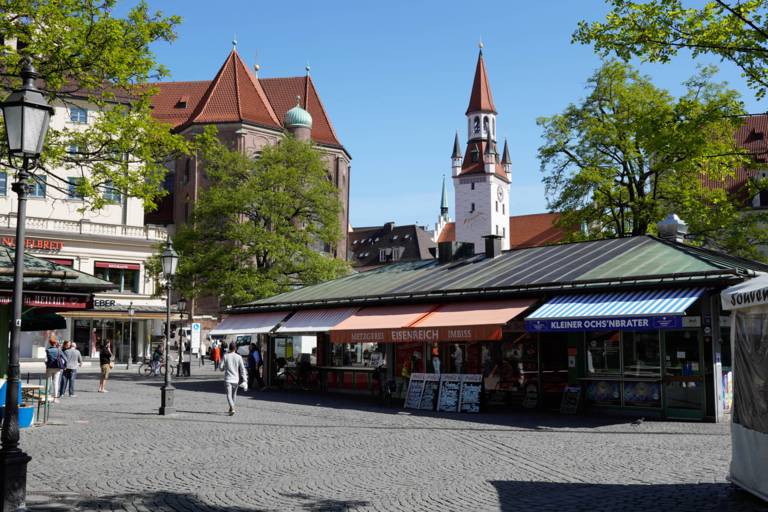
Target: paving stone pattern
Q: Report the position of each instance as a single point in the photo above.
(298, 451)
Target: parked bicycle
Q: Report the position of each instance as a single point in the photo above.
(145, 368)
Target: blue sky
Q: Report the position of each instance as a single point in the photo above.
(395, 78)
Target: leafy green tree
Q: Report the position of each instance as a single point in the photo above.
(83, 52)
(256, 228)
(630, 153)
(656, 30)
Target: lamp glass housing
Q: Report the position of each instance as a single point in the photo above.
(170, 260)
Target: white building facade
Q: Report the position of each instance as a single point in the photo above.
(113, 244)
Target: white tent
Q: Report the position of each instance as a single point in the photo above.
(749, 339)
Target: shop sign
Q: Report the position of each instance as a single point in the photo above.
(49, 300)
(104, 303)
(636, 323)
(419, 334)
(40, 244)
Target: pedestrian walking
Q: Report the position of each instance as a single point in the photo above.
(69, 375)
(105, 361)
(234, 375)
(254, 367)
(216, 355)
(55, 362)
(201, 354)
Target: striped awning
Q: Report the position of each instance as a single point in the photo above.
(251, 323)
(619, 304)
(315, 320)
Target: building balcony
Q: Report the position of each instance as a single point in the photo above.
(86, 227)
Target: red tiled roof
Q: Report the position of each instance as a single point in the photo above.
(235, 95)
(481, 98)
(470, 167)
(282, 94)
(448, 234)
(753, 136)
(534, 230)
(166, 105)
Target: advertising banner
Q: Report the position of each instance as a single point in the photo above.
(418, 334)
(633, 323)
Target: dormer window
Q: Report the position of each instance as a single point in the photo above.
(182, 103)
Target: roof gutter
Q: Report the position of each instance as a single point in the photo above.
(711, 277)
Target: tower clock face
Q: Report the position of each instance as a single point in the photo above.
(500, 193)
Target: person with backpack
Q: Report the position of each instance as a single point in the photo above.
(55, 362)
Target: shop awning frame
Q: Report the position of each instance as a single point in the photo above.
(453, 322)
(312, 321)
(251, 323)
(635, 310)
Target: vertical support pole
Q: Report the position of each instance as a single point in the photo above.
(13, 461)
(166, 393)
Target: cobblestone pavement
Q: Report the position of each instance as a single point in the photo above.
(293, 451)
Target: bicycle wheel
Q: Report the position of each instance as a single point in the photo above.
(162, 369)
(143, 369)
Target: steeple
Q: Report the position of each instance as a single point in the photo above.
(506, 161)
(490, 147)
(456, 147)
(481, 99)
(444, 202)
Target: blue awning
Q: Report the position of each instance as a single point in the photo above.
(654, 309)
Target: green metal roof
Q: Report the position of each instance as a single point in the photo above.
(81, 282)
(641, 261)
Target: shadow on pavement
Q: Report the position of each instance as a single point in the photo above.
(171, 501)
(558, 497)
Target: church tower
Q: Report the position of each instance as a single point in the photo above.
(481, 179)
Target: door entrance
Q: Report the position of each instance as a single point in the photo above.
(683, 375)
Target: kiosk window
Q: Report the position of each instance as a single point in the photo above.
(603, 350)
(642, 356)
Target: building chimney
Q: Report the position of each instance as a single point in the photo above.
(672, 228)
(450, 251)
(492, 246)
(388, 227)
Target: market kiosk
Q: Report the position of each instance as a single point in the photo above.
(748, 302)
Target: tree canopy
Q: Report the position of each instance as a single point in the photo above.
(630, 153)
(656, 30)
(259, 227)
(85, 55)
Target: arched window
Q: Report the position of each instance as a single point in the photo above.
(493, 124)
(476, 128)
(486, 126)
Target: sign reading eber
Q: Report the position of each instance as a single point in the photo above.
(419, 334)
(41, 244)
(49, 300)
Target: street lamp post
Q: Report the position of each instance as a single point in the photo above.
(26, 115)
(131, 311)
(169, 259)
(181, 306)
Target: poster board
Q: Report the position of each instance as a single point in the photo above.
(429, 393)
(415, 388)
(450, 392)
(195, 337)
(471, 387)
(571, 399)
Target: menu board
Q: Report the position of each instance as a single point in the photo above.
(450, 390)
(415, 388)
(428, 394)
(471, 386)
(570, 402)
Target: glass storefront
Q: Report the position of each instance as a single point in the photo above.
(90, 333)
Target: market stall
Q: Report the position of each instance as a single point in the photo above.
(748, 302)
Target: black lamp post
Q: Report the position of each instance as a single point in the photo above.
(169, 259)
(181, 306)
(131, 312)
(26, 115)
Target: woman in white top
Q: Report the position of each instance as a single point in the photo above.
(234, 373)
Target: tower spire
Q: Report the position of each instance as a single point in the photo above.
(505, 160)
(481, 99)
(456, 147)
(444, 201)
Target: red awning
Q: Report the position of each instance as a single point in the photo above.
(459, 322)
(374, 325)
